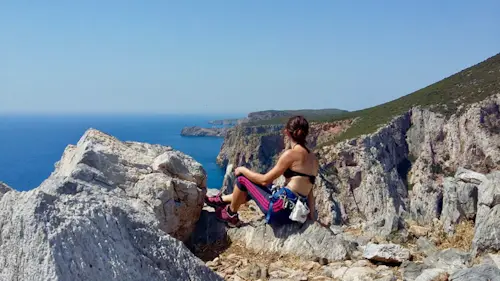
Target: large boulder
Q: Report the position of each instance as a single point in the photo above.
(459, 199)
(310, 240)
(487, 229)
(450, 260)
(478, 273)
(104, 214)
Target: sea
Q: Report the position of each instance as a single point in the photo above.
(30, 145)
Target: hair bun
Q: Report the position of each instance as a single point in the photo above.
(298, 128)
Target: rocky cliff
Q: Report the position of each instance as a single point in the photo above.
(203, 132)
(380, 176)
(257, 147)
(111, 210)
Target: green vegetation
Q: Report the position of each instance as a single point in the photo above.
(446, 97)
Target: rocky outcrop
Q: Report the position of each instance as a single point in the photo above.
(105, 213)
(365, 179)
(310, 240)
(487, 229)
(450, 260)
(440, 145)
(398, 171)
(203, 132)
(460, 198)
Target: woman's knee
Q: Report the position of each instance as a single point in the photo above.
(239, 183)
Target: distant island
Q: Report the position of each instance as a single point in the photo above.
(196, 131)
(258, 118)
(225, 122)
(279, 115)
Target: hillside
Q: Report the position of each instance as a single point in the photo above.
(446, 97)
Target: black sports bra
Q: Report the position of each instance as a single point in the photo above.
(289, 173)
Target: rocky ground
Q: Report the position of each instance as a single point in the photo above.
(355, 253)
(422, 254)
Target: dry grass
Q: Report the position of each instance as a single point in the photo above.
(462, 240)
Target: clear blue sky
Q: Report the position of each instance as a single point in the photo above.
(233, 56)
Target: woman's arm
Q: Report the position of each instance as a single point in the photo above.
(312, 207)
(284, 162)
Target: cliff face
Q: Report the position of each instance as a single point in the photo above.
(254, 147)
(397, 172)
(258, 147)
(110, 211)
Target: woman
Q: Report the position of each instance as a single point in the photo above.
(299, 167)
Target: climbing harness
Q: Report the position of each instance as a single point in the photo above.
(294, 207)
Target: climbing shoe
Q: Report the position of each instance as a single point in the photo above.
(215, 201)
(224, 214)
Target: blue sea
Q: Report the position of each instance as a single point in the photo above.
(30, 145)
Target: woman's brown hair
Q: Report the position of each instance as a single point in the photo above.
(298, 127)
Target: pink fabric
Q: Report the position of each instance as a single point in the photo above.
(257, 196)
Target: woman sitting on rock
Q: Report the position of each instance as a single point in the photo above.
(299, 167)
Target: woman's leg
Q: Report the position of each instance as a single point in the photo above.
(249, 190)
(238, 197)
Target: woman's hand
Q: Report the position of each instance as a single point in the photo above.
(239, 171)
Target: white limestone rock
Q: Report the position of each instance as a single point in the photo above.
(310, 240)
(487, 228)
(102, 215)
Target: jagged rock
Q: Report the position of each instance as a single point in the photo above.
(184, 167)
(4, 188)
(440, 145)
(411, 270)
(310, 240)
(99, 217)
(434, 274)
(469, 176)
(229, 180)
(487, 229)
(450, 260)
(362, 179)
(477, 273)
(387, 253)
(459, 202)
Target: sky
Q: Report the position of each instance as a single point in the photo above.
(232, 57)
